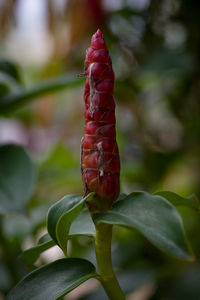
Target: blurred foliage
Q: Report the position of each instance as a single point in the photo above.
(154, 46)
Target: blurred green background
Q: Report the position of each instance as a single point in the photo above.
(154, 46)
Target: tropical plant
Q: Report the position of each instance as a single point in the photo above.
(155, 216)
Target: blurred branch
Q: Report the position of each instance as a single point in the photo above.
(7, 15)
(8, 255)
(14, 100)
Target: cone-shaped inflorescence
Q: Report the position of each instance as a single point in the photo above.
(100, 164)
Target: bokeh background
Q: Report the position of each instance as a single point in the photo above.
(155, 49)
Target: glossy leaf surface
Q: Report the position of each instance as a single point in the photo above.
(29, 256)
(82, 225)
(154, 217)
(61, 215)
(53, 280)
(177, 200)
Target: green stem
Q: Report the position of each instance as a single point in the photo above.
(104, 262)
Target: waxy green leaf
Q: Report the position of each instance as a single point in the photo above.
(29, 256)
(61, 215)
(154, 217)
(17, 178)
(53, 280)
(189, 209)
(82, 225)
(177, 200)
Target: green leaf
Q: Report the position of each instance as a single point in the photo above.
(61, 215)
(17, 178)
(189, 208)
(12, 100)
(11, 69)
(154, 217)
(7, 85)
(121, 197)
(177, 200)
(45, 238)
(53, 280)
(29, 256)
(4, 88)
(82, 225)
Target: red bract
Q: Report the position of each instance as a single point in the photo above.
(100, 164)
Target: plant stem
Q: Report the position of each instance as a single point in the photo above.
(104, 262)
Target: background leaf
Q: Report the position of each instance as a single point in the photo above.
(11, 69)
(13, 100)
(154, 217)
(53, 280)
(17, 178)
(4, 86)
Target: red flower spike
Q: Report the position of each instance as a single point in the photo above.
(100, 163)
